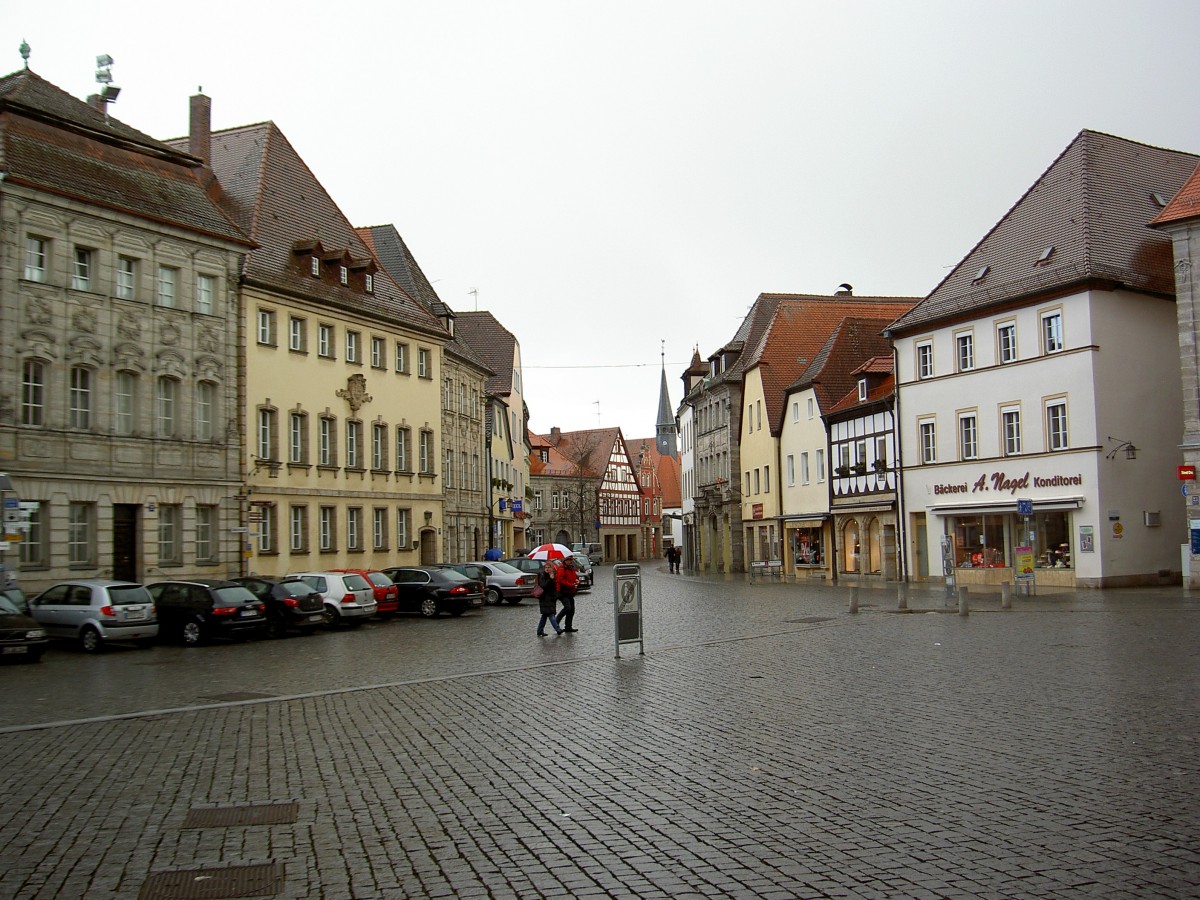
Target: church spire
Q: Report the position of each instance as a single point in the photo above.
(665, 433)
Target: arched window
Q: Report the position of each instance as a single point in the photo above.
(851, 550)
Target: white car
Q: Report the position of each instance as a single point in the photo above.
(349, 598)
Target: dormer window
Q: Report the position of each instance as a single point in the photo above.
(980, 275)
(314, 264)
(1044, 259)
(343, 275)
(862, 389)
(370, 283)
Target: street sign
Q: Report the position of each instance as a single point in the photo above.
(1024, 507)
(1187, 473)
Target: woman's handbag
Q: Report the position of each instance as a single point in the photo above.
(537, 591)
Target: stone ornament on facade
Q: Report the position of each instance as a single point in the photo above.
(129, 327)
(84, 320)
(355, 392)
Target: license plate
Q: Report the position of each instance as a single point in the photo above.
(317, 618)
(15, 650)
(131, 614)
(248, 613)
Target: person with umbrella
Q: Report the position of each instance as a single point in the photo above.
(547, 599)
(566, 581)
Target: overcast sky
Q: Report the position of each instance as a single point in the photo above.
(607, 177)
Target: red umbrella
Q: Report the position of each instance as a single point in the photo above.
(552, 551)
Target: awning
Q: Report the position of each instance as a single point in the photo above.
(865, 507)
(805, 523)
(1049, 504)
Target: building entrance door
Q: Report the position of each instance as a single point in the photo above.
(125, 542)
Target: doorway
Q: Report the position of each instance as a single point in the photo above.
(125, 544)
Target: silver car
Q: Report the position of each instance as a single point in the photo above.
(349, 598)
(502, 582)
(94, 611)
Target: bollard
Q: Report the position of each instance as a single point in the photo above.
(902, 596)
(963, 608)
(853, 600)
(1005, 595)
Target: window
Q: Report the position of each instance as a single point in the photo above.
(206, 401)
(266, 530)
(881, 452)
(266, 327)
(965, 351)
(81, 273)
(811, 406)
(265, 438)
(297, 334)
(165, 399)
(862, 389)
(343, 275)
(37, 255)
(403, 449)
(297, 438)
(804, 474)
(1006, 335)
(33, 542)
(379, 447)
(928, 441)
(33, 393)
(537, 501)
(379, 528)
(314, 266)
(401, 357)
(1010, 418)
(925, 359)
(325, 341)
(327, 442)
(968, 437)
(80, 397)
(378, 349)
(427, 452)
(757, 481)
(820, 465)
(1056, 425)
(555, 500)
(462, 470)
(206, 294)
(170, 520)
(403, 517)
(126, 278)
(1052, 332)
(448, 470)
(165, 287)
(795, 410)
(353, 346)
(125, 400)
(354, 436)
(370, 283)
(423, 363)
(789, 468)
(206, 529)
(447, 393)
(354, 532)
(766, 479)
(749, 418)
(298, 528)
(81, 534)
(326, 528)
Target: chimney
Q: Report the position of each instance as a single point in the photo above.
(555, 435)
(95, 102)
(200, 127)
(845, 290)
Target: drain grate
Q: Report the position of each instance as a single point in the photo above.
(238, 695)
(255, 814)
(259, 880)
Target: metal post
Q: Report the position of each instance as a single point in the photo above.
(853, 600)
(902, 595)
(963, 607)
(1006, 595)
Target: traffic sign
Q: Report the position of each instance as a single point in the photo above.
(1024, 507)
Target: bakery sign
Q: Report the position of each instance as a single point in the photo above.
(1003, 483)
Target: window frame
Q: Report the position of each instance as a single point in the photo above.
(964, 351)
(79, 398)
(166, 285)
(927, 440)
(37, 259)
(1010, 430)
(1006, 350)
(1053, 334)
(923, 359)
(968, 435)
(1057, 438)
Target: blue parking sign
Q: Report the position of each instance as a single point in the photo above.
(1024, 507)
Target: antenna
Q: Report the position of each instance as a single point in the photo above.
(596, 403)
(474, 292)
(109, 93)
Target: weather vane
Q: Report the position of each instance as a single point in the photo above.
(25, 51)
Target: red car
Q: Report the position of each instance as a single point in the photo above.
(387, 595)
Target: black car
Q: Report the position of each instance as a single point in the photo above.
(20, 636)
(204, 608)
(431, 591)
(291, 603)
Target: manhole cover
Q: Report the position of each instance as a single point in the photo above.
(238, 695)
(256, 814)
(260, 880)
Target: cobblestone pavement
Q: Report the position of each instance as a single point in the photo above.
(768, 744)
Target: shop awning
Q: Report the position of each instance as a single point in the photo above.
(864, 507)
(1049, 504)
(806, 523)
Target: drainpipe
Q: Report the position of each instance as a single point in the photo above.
(901, 516)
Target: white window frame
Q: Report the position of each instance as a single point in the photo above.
(165, 284)
(37, 258)
(79, 393)
(297, 334)
(1010, 430)
(166, 401)
(964, 351)
(968, 435)
(353, 346)
(923, 353)
(325, 340)
(81, 269)
(927, 439)
(124, 402)
(126, 278)
(1006, 342)
(1052, 331)
(1057, 425)
(206, 404)
(206, 294)
(266, 327)
(33, 393)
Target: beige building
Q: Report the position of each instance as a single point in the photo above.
(342, 371)
(119, 421)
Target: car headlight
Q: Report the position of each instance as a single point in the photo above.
(35, 634)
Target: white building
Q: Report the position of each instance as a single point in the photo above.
(1043, 369)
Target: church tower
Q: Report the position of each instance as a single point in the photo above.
(665, 432)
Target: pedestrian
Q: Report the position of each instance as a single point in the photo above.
(547, 600)
(566, 580)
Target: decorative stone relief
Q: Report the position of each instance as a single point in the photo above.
(129, 327)
(84, 320)
(129, 357)
(355, 392)
(38, 312)
(208, 341)
(85, 349)
(209, 368)
(169, 334)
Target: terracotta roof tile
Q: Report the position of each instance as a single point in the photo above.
(1184, 205)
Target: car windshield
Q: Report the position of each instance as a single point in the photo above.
(504, 568)
(296, 588)
(7, 607)
(356, 582)
(455, 576)
(124, 595)
(378, 578)
(234, 594)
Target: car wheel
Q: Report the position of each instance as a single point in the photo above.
(276, 626)
(192, 633)
(492, 597)
(90, 640)
(429, 607)
(331, 617)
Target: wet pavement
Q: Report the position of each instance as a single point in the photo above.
(769, 743)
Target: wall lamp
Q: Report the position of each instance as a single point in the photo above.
(1127, 446)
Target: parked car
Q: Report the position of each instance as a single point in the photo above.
(201, 609)
(21, 637)
(430, 590)
(525, 564)
(386, 592)
(95, 611)
(584, 565)
(594, 551)
(349, 598)
(501, 582)
(291, 603)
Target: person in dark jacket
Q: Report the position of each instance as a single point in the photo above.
(548, 602)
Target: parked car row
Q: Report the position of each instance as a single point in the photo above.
(93, 612)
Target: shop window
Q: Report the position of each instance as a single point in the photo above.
(980, 542)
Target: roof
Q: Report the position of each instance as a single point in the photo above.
(577, 453)
(665, 466)
(270, 191)
(885, 388)
(50, 141)
(1083, 220)
(798, 329)
(832, 371)
(493, 343)
(1184, 205)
